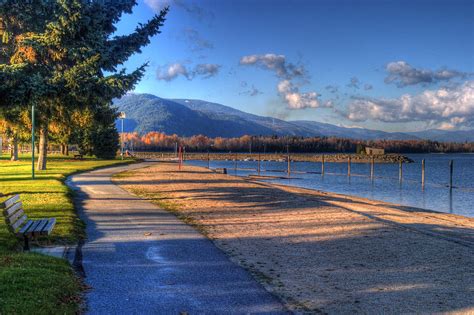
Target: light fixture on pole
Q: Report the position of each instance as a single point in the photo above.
(121, 117)
(33, 141)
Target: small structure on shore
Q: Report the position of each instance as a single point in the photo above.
(374, 151)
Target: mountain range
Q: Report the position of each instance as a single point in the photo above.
(186, 117)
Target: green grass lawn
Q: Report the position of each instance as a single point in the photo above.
(33, 283)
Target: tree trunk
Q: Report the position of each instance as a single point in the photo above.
(14, 148)
(43, 148)
(64, 149)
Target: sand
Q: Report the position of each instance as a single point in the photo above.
(323, 252)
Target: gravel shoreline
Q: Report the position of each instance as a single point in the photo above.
(323, 252)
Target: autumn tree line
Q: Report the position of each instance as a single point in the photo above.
(62, 58)
(157, 141)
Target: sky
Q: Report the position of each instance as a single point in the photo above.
(388, 65)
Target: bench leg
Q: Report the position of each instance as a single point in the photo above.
(27, 243)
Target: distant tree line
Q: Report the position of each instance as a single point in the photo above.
(156, 141)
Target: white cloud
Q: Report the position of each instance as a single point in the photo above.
(287, 72)
(297, 100)
(174, 70)
(445, 107)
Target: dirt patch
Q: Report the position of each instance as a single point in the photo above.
(321, 252)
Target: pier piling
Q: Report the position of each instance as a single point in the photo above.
(372, 167)
(349, 166)
(423, 173)
(258, 164)
(289, 165)
(451, 170)
(400, 171)
(322, 165)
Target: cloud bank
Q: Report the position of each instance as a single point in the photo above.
(446, 108)
(172, 71)
(403, 74)
(276, 63)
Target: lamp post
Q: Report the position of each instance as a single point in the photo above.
(33, 141)
(122, 117)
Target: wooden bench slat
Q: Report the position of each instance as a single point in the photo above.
(12, 208)
(13, 218)
(7, 203)
(18, 223)
(25, 227)
(40, 227)
(32, 227)
(49, 227)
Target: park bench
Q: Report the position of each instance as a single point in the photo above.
(78, 156)
(19, 224)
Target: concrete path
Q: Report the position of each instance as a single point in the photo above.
(140, 259)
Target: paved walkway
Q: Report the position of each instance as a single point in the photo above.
(172, 270)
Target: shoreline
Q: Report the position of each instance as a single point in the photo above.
(323, 252)
(358, 198)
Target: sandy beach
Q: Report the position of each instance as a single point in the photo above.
(322, 252)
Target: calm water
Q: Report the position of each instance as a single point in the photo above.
(436, 194)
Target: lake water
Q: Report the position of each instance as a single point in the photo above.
(385, 186)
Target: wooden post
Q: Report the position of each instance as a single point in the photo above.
(322, 165)
(289, 165)
(451, 170)
(258, 164)
(423, 173)
(180, 157)
(400, 171)
(349, 166)
(208, 160)
(372, 167)
(235, 162)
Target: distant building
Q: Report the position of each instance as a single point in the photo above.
(374, 151)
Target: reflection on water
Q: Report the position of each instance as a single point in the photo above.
(385, 185)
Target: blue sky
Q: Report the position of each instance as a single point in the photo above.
(390, 65)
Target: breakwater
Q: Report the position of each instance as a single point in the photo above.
(295, 157)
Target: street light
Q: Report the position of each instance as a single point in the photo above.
(33, 141)
(121, 117)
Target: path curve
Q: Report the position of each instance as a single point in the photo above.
(140, 259)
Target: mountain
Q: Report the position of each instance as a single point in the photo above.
(146, 112)
(184, 117)
(446, 136)
(352, 133)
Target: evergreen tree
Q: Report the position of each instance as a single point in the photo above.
(71, 56)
